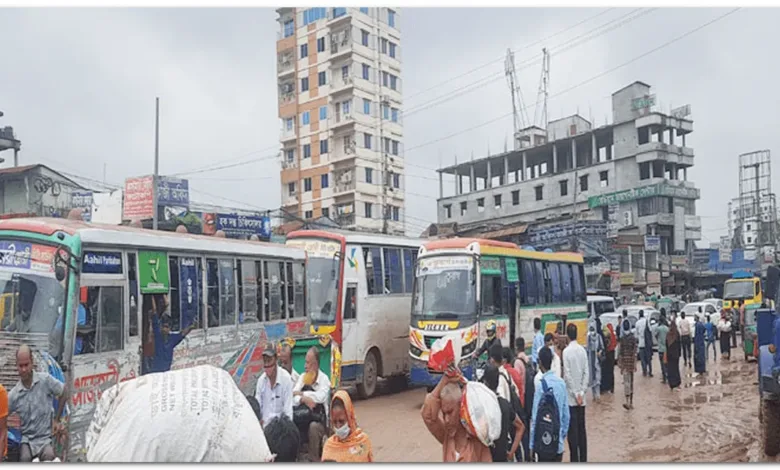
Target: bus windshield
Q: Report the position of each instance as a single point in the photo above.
(738, 290)
(322, 281)
(445, 288)
(32, 300)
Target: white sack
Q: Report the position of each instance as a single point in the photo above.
(480, 412)
(196, 414)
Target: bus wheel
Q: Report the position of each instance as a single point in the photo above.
(770, 427)
(367, 388)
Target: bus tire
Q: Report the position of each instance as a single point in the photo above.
(770, 427)
(367, 387)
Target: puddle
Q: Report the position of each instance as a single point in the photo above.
(662, 431)
(675, 419)
(701, 397)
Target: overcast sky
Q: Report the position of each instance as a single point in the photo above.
(78, 86)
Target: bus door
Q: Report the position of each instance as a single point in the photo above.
(511, 289)
(350, 335)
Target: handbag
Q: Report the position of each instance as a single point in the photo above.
(666, 358)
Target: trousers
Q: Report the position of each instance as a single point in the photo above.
(578, 438)
(686, 349)
(663, 367)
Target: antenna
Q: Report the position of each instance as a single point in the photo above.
(519, 113)
(540, 117)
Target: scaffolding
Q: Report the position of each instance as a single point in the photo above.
(755, 229)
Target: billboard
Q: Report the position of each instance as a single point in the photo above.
(139, 198)
(173, 192)
(652, 243)
(82, 200)
(242, 226)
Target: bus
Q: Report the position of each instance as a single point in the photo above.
(82, 296)
(463, 283)
(744, 287)
(359, 294)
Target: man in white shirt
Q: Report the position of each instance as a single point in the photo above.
(274, 388)
(317, 392)
(285, 360)
(641, 325)
(576, 376)
(556, 361)
(685, 338)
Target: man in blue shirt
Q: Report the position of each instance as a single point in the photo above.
(561, 399)
(538, 342)
(165, 342)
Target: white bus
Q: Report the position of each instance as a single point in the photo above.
(82, 295)
(359, 289)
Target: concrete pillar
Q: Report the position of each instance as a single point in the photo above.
(555, 158)
(609, 151)
(671, 136)
(685, 174)
(472, 179)
(489, 179)
(441, 185)
(458, 183)
(594, 150)
(683, 139)
(573, 154)
(525, 174)
(652, 169)
(505, 180)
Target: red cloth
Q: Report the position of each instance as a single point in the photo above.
(519, 380)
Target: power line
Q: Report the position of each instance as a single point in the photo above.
(208, 167)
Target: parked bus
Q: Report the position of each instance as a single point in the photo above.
(463, 283)
(81, 295)
(359, 293)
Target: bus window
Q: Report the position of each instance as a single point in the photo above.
(350, 303)
(528, 286)
(567, 290)
(578, 277)
(132, 279)
(542, 294)
(247, 276)
(212, 286)
(554, 273)
(227, 294)
(185, 292)
(289, 290)
(491, 295)
(393, 271)
(275, 311)
(105, 318)
(298, 290)
(173, 293)
(373, 257)
(262, 292)
(408, 271)
(757, 289)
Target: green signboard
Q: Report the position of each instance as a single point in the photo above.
(490, 265)
(153, 272)
(660, 189)
(511, 270)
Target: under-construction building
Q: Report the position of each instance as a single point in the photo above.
(619, 192)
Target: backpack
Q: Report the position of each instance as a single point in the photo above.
(530, 388)
(502, 445)
(514, 400)
(548, 425)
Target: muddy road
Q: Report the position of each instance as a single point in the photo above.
(713, 418)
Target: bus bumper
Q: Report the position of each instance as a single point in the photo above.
(421, 376)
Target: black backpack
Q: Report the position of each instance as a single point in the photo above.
(530, 388)
(547, 430)
(514, 400)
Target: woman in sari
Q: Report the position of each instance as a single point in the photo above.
(608, 366)
(348, 444)
(673, 356)
(699, 347)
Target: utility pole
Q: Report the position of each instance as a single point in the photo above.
(156, 161)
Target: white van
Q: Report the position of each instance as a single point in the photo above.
(599, 304)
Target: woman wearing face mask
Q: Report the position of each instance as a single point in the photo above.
(348, 444)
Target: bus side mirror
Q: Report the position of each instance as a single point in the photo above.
(772, 283)
(59, 273)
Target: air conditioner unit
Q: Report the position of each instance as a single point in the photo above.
(628, 219)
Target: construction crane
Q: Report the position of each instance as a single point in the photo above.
(518, 106)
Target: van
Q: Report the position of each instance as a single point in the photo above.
(599, 304)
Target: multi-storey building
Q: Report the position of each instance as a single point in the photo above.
(339, 77)
(619, 192)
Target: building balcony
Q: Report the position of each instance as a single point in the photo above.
(285, 68)
(286, 98)
(653, 151)
(287, 135)
(340, 121)
(338, 15)
(289, 165)
(341, 84)
(290, 199)
(342, 188)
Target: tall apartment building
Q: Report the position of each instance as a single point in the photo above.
(619, 192)
(339, 77)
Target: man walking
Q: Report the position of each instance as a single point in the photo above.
(550, 415)
(685, 338)
(576, 376)
(711, 336)
(641, 329)
(660, 336)
(627, 363)
(538, 342)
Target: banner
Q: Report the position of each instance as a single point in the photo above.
(188, 291)
(652, 243)
(96, 262)
(153, 272)
(139, 198)
(82, 200)
(239, 226)
(173, 192)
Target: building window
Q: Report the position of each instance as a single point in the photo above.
(394, 114)
(306, 150)
(340, 11)
(392, 50)
(305, 84)
(364, 37)
(313, 14)
(364, 10)
(367, 208)
(291, 188)
(564, 187)
(644, 171)
(366, 72)
(345, 107)
(463, 208)
(391, 18)
(323, 113)
(448, 211)
(323, 146)
(288, 123)
(290, 155)
(321, 44)
(516, 198)
(497, 201)
(396, 180)
(396, 213)
(366, 106)
(307, 185)
(369, 175)
(324, 181)
(395, 144)
(325, 212)
(308, 215)
(385, 76)
(393, 82)
(383, 46)
(367, 140)
(289, 28)
(305, 119)
(385, 112)
(345, 73)
(538, 190)
(386, 144)
(604, 178)
(481, 204)
(304, 51)
(322, 79)
(583, 183)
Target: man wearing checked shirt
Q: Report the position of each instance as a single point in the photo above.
(274, 391)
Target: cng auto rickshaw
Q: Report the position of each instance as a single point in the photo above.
(749, 334)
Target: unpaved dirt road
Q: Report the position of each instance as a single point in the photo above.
(713, 418)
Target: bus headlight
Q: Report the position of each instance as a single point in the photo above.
(469, 348)
(416, 352)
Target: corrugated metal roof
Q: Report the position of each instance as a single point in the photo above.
(506, 232)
